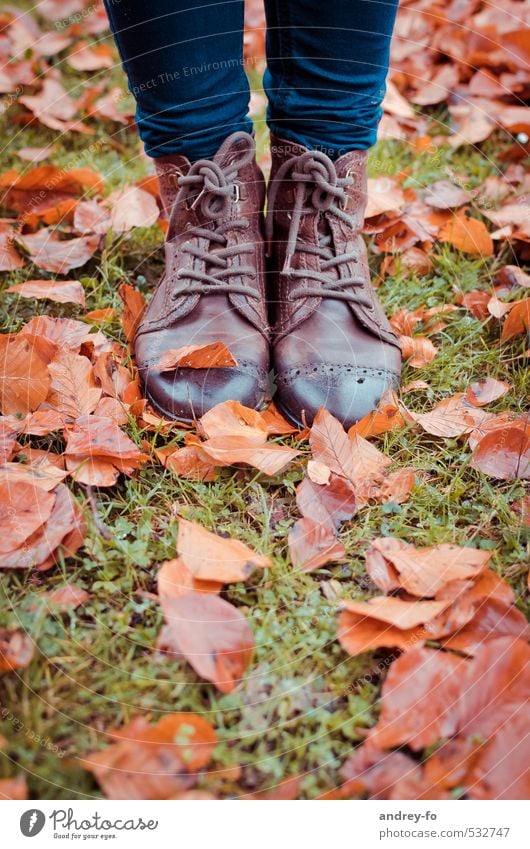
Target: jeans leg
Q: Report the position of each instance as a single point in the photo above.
(327, 65)
(184, 64)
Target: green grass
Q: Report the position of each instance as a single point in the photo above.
(304, 702)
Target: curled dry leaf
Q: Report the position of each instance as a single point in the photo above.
(486, 390)
(389, 415)
(329, 504)
(269, 458)
(59, 256)
(452, 417)
(59, 291)
(417, 350)
(215, 355)
(134, 307)
(61, 535)
(424, 571)
(97, 451)
(518, 320)
(214, 558)
(312, 545)
(385, 622)
(153, 761)
(233, 419)
(175, 579)
(24, 377)
(16, 650)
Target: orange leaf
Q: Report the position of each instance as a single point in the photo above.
(213, 636)
(153, 761)
(468, 235)
(504, 454)
(312, 545)
(60, 291)
(24, 377)
(134, 306)
(215, 355)
(518, 320)
(210, 557)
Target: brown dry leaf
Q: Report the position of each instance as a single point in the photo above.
(468, 235)
(424, 571)
(384, 195)
(318, 472)
(67, 597)
(41, 475)
(384, 622)
(23, 510)
(501, 769)
(91, 217)
(312, 545)
(212, 634)
(413, 260)
(86, 57)
(134, 306)
(188, 462)
(59, 256)
(13, 788)
(513, 275)
(16, 650)
(486, 390)
(429, 695)
(504, 454)
(60, 536)
(10, 258)
(269, 458)
(97, 451)
(131, 207)
(54, 108)
(153, 761)
(233, 419)
(210, 557)
(417, 350)
(397, 486)
(329, 504)
(175, 579)
(353, 458)
(518, 320)
(59, 291)
(73, 389)
(276, 424)
(389, 415)
(452, 417)
(24, 377)
(215, 355)
(443, 194)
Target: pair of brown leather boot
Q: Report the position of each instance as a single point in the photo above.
(308, 311)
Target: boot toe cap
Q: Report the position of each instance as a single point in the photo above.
(347, 392)
(186, 394)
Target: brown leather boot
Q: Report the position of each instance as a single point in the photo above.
(332, 344)
(213, 286)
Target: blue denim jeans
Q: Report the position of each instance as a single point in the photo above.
(325, 79)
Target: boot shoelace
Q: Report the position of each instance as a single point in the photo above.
(213, 188)
(327, 197)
